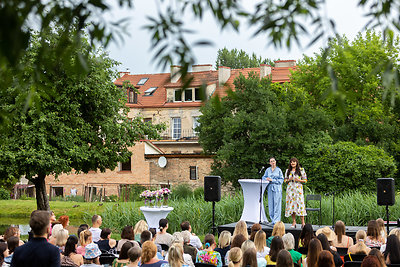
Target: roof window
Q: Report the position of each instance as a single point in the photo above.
(150, 91)
(142, 81)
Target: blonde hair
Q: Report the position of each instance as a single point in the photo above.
(260, 240)
(360, 247)
(177, 238)
(235, 256)
(61, 237)
(246, 245)
(140, 226)
(241, 228)
(56, 228)
(396, 232)
(381, 227)
(361, 234)
(149, 250)
(288, 241)
(175, 255)
(85, 237)
(224, 239)
(279, 229)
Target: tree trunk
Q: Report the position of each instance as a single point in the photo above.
(42, 201)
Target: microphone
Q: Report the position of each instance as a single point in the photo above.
(262, 168)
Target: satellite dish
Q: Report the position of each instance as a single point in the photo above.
(162, 162)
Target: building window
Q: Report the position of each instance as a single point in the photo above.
(150, 91)
(197, 94)
(126, 166)
(193, 173)
(188, 95)
(58, 191)
(195, 125)
(178, 95)
(147, 120)
(132, 96)
(176, 128)
(142, 81)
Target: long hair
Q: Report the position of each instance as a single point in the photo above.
(307, 233)
(376, 252)
(284, 259)
(84, 237)
(64, 219)
(260, 240)
(61, 237)
(340, 230)
(324, 242)
(393, 249)
(237, 241)
(235, 256)
(381, 227)
(279, 229)
(250, 258)
(123, 255)
(253, 230)
(3, 247)
(210, 239)
(361, 248)
(276, 246)
(297, 171)
(325, 259)
(127, 233)
(371, 261)
(314, 249)
(373, 229)
(241, 228)
(175, 255)
(224, 239)
(70, 246)
(140, 226)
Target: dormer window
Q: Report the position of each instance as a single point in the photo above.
(187, 95)
(150, 91)
(132, 96)
(142, 81)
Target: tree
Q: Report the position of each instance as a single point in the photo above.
(80, 124)
(256, 121)
(238, 59)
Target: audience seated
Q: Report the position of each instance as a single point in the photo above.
(325, 246)
(276, 246)
(149, 255)
(370, 261)
(163, 237)
(248, 244)
(61, 238)
(178, 241)
(13, 231)
(392, 251)
(12, 244)
(373, 238)
(127, 235)
(95, 229)
(147, 236)
(278, 230)
(249, 258)
(55, 230)
(288, 243)
(194, 240)
(140, 226)
(70, 257)
(187, 248)
(241, 228)
(260, 240)
(306, 234)
(3, 252)
(341, 239)
(224, 245)
(37, 251)
(359, 247)
(382, 230)
(284, 259)
(330, 236)
(153, 232)
(235, 257)
(375, 252)
(314, 249)
(176, 256)
(253, 230)
(92, 254)
(123, 258)
(134, 254)
(208, 255)
(64, 220)
(106, 243)
(85, 238)
(325, 259)
(237, 242)
(396, 232)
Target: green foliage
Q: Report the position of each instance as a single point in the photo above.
(237, 59)
(345, 165)
(198, 192)
(4, 194)
(132, 192)
(181, 191)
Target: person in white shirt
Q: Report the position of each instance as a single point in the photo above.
(95, 229)
(194, 240)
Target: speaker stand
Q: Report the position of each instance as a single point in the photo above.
(387, 218)
(214, 228)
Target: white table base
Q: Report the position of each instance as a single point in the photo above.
(153, 215)
(251, 195)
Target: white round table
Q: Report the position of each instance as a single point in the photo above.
(153, 215)
(251, 195)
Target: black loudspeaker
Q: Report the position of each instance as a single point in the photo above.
(212, 188)
(385, 191)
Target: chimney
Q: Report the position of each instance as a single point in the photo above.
(224, 73)
(265, 70)
(175, 75)
(285, 63)
(204, 67)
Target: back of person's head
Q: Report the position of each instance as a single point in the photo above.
(177, 238)
(284, 259)
(288, 241)
(253, 230)
(186, 236)
(260, 240)
(393, 249)
(378, 254)
(3, 247)
(340, 230)
(123, 255)
(64, 219)
(175, 255)
(92, 252)
(9, 232)
(149, 250)
(84, 226)
(61, 237)
(247, 244)
(209, 240)
(85, 237)
(306, 234)
(324, 242)
(241, 228)
(145, 236)
(140, 226)
(80, 230)
(224, 239)
(381, 226)
(276, 246)
(279, 229)
(373, 229)
(237, 241)
(370, 261)
(235, 256)
(314, 249)
(325, 259)
(134, 253)
(105, 232)
(250, 258)
(185, 226)
(163, 223)
(95, 218)
(396, 232)
(40, 222)
(153, 232)
(12, 243)
(127, 233)
(70, 246)
(56, 228)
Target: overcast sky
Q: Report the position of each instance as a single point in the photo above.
(135, 53)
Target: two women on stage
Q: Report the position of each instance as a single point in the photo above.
(295, 176)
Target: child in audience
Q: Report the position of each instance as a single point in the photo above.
(85, 238)
(134, 254)
(208, 255)
(12, 244)
(224, 245)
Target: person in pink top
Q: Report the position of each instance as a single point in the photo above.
(85, 238)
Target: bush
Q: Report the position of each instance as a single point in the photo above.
(4, 194)
(198, 192)
(182, 191)
(346, 166)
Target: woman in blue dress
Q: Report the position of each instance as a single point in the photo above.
(275, 177)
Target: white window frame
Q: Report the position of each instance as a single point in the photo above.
(176, 129)
(195, 124)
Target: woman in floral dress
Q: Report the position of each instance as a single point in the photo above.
(295, 176)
